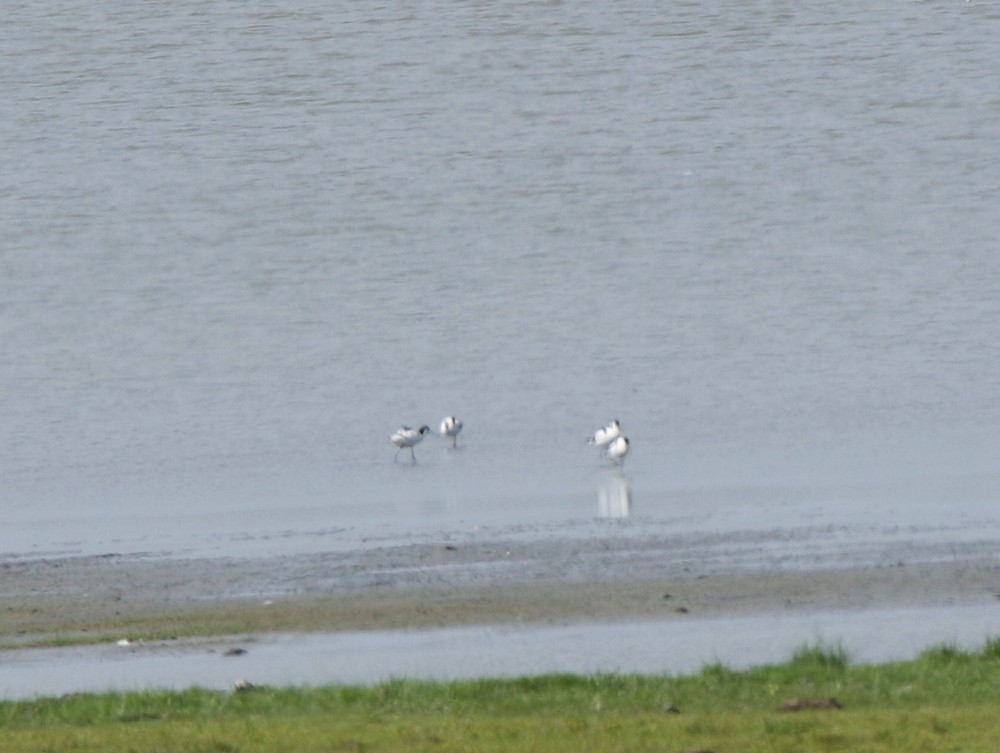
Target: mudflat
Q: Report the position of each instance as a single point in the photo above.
(539, 577)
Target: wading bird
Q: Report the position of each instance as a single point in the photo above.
(404, 436)
(617, 450)
(606, 435)
(451, 427)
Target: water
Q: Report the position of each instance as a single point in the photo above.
(654, 646)
(242, 244)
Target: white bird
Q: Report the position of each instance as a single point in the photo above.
(617, 450)
(404, 436)
(606, 435)
(451, 427)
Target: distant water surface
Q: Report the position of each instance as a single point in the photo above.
(242, 243)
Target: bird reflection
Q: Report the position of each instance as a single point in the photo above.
(614, 496)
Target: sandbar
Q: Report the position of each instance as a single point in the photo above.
(498, 577)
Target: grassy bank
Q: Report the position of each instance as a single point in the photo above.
(945, 700)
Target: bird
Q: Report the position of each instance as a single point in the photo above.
(451, 427)
(404, 436)
(617, 450)
(606, 434)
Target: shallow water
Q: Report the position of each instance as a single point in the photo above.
(241, 245)
(680, 646)
(815, 526)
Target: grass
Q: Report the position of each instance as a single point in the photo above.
(944, 700)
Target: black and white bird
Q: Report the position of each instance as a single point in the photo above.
(617, 450)
(404, 436)
(604, 436)
(451, 427)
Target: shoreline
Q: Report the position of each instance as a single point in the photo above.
(483, 606)
(417, 586)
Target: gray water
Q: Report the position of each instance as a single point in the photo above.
(242, 243)
(652, 646)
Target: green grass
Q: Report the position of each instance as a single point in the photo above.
(944, 700)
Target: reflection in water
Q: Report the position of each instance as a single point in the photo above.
(614, 496)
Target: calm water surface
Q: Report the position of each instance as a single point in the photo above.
(653, 646)
(242, 243)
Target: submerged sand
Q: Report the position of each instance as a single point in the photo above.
(522, 577)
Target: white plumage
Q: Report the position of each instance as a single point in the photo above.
(404, 436)
(451, 427)
(617, 450)
(604, 436)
